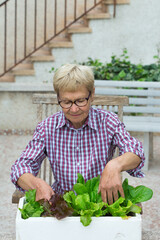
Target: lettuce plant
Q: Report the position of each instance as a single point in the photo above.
(31, 207)
(56, 207)
(85, 201)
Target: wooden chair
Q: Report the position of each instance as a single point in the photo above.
(47, 105)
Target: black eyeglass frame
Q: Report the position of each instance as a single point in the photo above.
(74, 102)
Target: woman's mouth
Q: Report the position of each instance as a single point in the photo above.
(75, 115)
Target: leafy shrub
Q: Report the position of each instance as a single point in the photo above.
(120, 68)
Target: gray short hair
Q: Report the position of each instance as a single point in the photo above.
(70, 77)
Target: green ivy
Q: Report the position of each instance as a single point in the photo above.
(120, 68)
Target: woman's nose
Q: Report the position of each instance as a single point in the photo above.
(74, 108)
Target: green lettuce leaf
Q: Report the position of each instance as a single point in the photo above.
(30, 195)
(81, 201)
(85, 220)
(136, 194)
(79, 188)
(142, 194)
(134, 209)
(92, 185)
(31, 208)
(80, 178)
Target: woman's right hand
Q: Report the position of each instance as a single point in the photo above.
(43, 190)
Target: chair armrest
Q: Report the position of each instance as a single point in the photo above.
(16, 196)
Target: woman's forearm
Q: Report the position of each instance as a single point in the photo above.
(127, 161)
(28, 181)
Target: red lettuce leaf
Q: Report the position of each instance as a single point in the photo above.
(56, 207)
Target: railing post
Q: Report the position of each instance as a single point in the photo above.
(75, 9)
(25, 29)
(114, 13)
(65, 13)
(5, 37)
(15, 34)
(55, 17)
(45, 20)
(85, 6)
(35, 24)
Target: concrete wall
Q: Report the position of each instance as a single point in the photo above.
(136, 27)
(17, 111)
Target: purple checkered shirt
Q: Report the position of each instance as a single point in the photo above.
(70, 151)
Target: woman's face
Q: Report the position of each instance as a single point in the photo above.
(75, 114)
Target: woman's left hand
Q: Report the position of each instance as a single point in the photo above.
(110, 183)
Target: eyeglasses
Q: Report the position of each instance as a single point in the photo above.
(81, 102)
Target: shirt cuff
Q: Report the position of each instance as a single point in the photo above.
(136, 172)
(16, 174)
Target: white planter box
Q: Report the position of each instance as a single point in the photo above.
(70, 228)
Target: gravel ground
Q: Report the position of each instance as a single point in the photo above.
(12, 145)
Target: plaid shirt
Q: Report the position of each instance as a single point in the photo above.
(70, 151)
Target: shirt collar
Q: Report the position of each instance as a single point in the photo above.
(61, 121)
(90, 121)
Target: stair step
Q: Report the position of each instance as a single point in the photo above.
(24, 66)
(25, 72)
(60, 44)
(42, 58)
(117, 1)
(7, 78)
(79, 29)
(98, 15)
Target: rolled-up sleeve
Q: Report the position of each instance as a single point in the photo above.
(126, 143)
(31, 158)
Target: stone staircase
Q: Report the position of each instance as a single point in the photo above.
(26, 70)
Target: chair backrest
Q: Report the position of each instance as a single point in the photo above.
(47, 105)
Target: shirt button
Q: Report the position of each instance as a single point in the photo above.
(78, 163)
(77, 148)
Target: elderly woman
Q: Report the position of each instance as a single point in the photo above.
(78, 139)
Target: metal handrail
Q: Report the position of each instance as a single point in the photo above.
(9, 40)
(4, 3)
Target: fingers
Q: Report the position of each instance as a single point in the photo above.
(44, 191)
(121, 192)
(110, 184)
(115, 196)
(111, 195)
(104, 195)
(45, 195)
